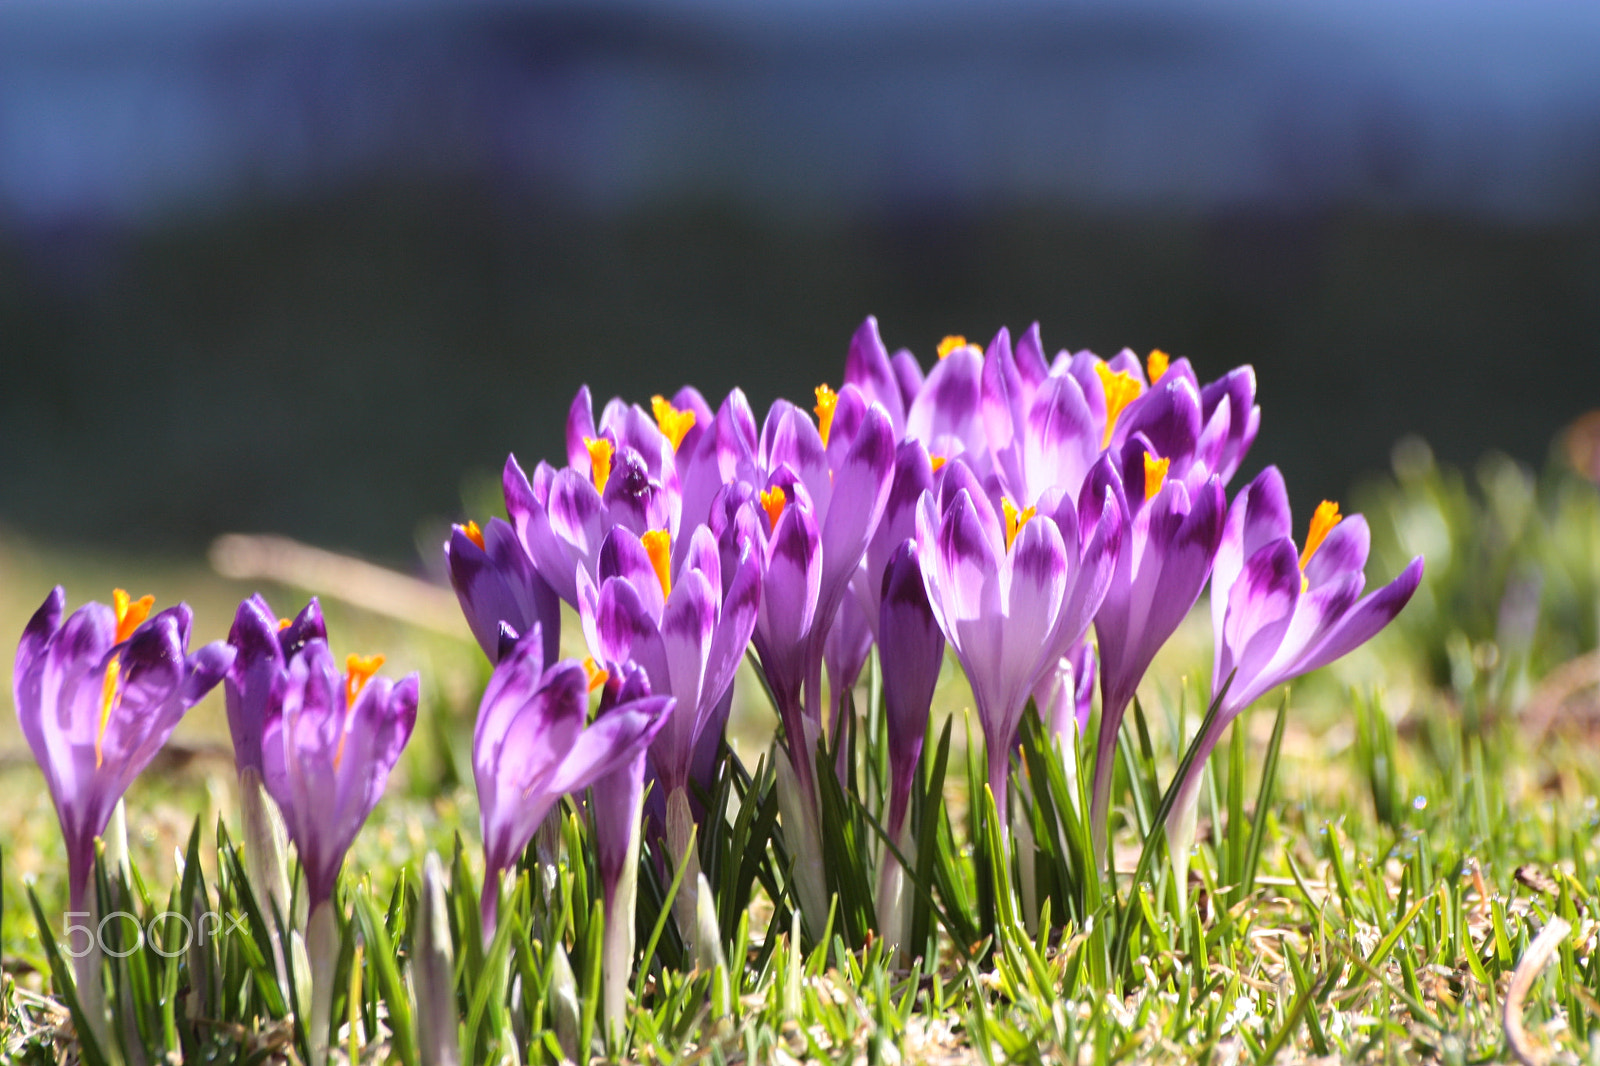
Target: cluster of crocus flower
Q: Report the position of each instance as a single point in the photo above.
(98, 695)
(1051, 520)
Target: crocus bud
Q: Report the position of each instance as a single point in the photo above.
(432, 972)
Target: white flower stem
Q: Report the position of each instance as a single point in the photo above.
(322, 944)
(616, 964)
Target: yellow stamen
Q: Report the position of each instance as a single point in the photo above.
(827, 400)
(130, 614)
(673, 423)
(109, 691)
(937, 461)
(951, 344)
(600, 450)
(358, 670)
(597, 676)
(1157, 364)
(658, 545)
(473, 534)
(772, 501)
(1322, 522)
(1155, 475)
(1121, 389)
(285, 623)
(1015, 519)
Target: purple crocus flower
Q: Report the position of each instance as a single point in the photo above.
(532, 746)
(685, 630)
(497, 584)
(1173, 532)
(327, 755)
(823, 488)
(1278, 612)
(1011, 595)
(253, 692)
(97, 697)
(253, 689)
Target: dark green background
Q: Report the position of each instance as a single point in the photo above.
(339, 370)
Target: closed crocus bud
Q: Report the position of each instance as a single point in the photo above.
(433, 971)
(97, 697)
(910, 651)
(327, 758)
(496, 584)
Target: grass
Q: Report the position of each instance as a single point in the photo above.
(1370, 898)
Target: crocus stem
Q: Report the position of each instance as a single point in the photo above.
(616, 964)
(264, 858)
(892, 892)
(1185, 811)
(1027, 853)
(322, 943)
(116, 838)
(489, 905)
(86, 968)
(804, 841)
(680, 834)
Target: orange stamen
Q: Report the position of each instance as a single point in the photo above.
(673, 423)
(474, 534)
(827, 400)
(358, 670)
(597, 676)
(1155, 475)
(658, 545)
(1157, 364)
(1322, 522)
(936, 461)
(284, 623)
(1121, 389)
(1015, 519)
(600, 450)
(951, 344)
(772, 501)
(109, 691)
(130, 614)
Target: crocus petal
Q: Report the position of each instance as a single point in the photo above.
(946, 415)
(1343, 550)
(623, 557)
(1260, 605)
(37, 633)
(867, 367)
(580, 424)
(258, 666)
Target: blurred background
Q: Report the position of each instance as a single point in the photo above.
(315, 267)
